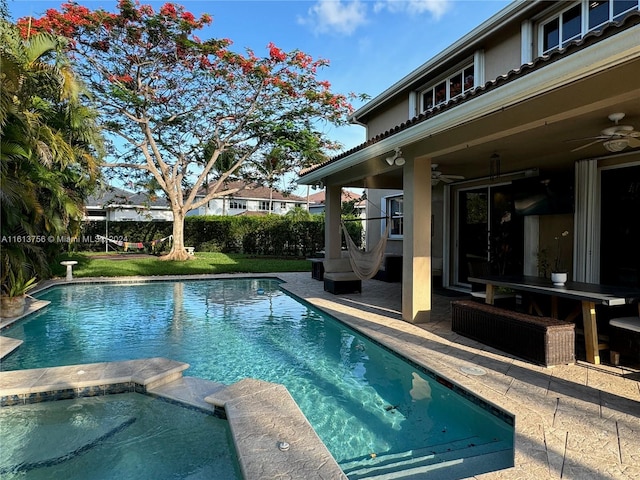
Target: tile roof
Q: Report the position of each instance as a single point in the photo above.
(255, 191)
(347, 196)
(628, 21)
(117, 196)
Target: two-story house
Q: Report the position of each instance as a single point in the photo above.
(523, 129)
(250, 199)
(114, 204)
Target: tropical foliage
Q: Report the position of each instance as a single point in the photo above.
(48, 153)
(179, 108)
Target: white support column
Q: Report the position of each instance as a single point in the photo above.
(416, 245)
(333, 210)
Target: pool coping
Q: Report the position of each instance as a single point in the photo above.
(271, 435)
(9, 345)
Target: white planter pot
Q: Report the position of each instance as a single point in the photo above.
(559, 278)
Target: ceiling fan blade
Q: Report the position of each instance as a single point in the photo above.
(450, 178)
(598, 137)
(633, 142)
(586, 145)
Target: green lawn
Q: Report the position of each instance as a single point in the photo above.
(118, 265)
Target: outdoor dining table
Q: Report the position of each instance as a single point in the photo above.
(589, 294)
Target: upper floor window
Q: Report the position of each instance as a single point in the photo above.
(238, 204)
(394, 212)
(579, 19)
(283, 205)
(448, 88)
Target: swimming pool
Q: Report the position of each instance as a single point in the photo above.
(366, 403)
(129, 436)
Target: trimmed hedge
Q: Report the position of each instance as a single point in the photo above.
(268, 235)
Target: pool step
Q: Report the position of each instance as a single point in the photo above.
(457, 459)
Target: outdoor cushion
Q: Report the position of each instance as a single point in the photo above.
(341, 276)
(336, 265)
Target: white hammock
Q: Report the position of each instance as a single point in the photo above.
(366, 264)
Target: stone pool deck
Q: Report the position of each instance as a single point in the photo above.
(577, 421)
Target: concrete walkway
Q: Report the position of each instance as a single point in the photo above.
(577, 421)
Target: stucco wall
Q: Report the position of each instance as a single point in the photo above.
(215, 207)
(503, 54)
(394, 246)
(394, 114)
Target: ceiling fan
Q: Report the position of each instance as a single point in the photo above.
(437, 176)
(615, 138)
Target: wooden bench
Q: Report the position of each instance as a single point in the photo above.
(624, 339)
(541, 340)
(339, 277)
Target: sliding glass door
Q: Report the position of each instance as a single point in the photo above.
(620, 227)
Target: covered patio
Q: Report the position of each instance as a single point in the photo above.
(572, 421)
(541, 117)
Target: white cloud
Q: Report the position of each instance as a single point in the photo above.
(336, 16)
(437, 8)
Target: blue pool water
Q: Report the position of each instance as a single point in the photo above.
(366, 403)
(128, 436)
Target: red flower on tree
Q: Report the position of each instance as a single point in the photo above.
(168, 10)
(276, 54)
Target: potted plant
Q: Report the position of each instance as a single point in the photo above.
(14, 294)
(559, 274)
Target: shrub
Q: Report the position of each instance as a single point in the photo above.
(268, 235)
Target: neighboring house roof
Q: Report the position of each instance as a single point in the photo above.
(113, 197)
(254, 191)
(347, 196)
(628, 21)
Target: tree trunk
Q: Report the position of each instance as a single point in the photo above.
(178, 252)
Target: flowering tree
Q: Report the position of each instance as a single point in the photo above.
(176, 106)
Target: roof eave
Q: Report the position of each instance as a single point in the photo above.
(486, 28)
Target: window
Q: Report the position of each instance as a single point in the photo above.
(448, 88)
(264, 205)
(283, 206)
(579, 19)
(395, 212)
(238, 204)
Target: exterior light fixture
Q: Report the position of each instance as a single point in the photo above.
(396, 158)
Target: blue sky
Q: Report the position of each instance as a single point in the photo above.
(370, 44)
